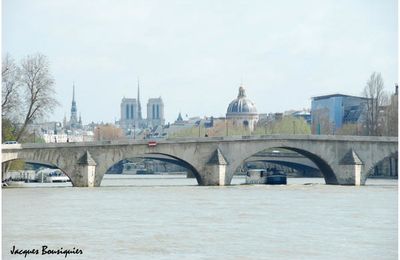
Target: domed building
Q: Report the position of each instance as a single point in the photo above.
(242, 111)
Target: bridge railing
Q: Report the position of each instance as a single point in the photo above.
(274, 137)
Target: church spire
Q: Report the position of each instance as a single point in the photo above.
(65, 120)
(74, 117)
(73, 91)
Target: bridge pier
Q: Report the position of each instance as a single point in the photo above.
(350, 168)
(86, 171)
(215, 170)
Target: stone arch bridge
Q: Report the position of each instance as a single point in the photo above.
(343, 160)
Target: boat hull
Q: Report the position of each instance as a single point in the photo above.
(261, 176)
(277, 180)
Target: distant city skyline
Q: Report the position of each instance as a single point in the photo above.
(195, 55)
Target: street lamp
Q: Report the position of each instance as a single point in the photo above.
(98, 133)
(199, 127)
(294, 127)
(226, 127)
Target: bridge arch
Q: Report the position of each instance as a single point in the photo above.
(370, 167)
(293, 165)
(319, 161)
(183, 163)
(322, 165)
(167, 158)
(44, 163)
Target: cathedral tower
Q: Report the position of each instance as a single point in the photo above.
(74, 112)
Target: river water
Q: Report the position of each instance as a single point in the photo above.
(170, 217)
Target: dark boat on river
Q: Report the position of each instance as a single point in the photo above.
(276, 177)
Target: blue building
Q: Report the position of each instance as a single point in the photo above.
(329, 113)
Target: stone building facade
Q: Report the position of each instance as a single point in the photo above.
(155, 112)
(130, 116)
(131, 113)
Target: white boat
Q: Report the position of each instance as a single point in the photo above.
(13, 184)
(135, 168)
(57, 178)
(51, 175)
(256, 176)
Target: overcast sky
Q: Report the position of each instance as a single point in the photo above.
(194, 54)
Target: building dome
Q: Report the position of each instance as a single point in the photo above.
(241, 105)
(242, 111)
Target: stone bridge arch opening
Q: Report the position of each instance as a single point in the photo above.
(150, 164)
(322, 165)
(316, 163)
(387, 167)
(298, 169)
(33, 171)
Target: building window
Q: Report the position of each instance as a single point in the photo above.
(132, 111)
(127, 111)
(158, 111)
(154, 112)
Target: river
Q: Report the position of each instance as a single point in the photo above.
(170, 217)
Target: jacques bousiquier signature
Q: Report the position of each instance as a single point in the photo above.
(45, 250)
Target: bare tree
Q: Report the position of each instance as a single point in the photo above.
(9, 87)
(391, 115)
(38, 92)
(376, 98)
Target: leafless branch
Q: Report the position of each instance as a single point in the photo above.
(38, 97)
(10, 87)
(374, 92)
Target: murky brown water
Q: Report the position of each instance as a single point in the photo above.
(139, 217)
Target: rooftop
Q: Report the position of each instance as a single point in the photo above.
(335, 95)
